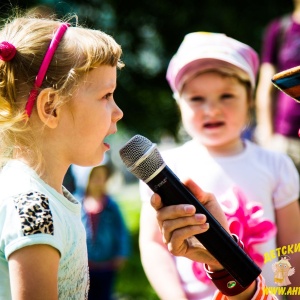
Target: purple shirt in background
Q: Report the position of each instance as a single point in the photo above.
(287, 112)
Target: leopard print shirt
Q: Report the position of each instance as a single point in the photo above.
(35, 214)
(38, 215)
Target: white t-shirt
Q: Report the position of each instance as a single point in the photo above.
(31, 212)
(266, 177)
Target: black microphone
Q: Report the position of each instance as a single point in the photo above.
(143, 160)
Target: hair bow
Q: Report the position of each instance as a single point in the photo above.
(7, 51)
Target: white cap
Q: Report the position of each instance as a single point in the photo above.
(201, 51)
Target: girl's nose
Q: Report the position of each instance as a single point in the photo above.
(211, 107)
(118, 113)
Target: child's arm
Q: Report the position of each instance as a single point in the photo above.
(157, 261)
(33, 273)
(264, 104)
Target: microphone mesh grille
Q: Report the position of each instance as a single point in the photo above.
(133, 150)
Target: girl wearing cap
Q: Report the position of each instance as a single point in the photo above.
(212, 77)
(52, 77)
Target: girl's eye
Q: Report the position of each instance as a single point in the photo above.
(196, 99)
(227, 96)
(108, 96)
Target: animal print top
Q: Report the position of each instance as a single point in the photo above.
(31, 212)
(34, 213)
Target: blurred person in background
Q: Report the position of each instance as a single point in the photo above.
(108, 239)
(278, 116)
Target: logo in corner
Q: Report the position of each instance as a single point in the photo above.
(282, 270)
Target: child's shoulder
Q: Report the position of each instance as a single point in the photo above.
(262, 154)
(16, 179)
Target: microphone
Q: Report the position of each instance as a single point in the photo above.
(142, 159)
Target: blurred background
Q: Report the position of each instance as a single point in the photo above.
(150, 33)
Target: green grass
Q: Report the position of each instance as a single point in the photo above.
(132, 283)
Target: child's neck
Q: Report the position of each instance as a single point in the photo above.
(229, 149)
(51, 175)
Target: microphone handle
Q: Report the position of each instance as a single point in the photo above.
(216, 240)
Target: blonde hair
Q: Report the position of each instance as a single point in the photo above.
(79, 51)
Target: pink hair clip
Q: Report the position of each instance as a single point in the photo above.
(7, 51)
(44, 66)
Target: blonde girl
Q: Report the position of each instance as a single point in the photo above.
(56, 108)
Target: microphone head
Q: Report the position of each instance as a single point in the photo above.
(141, 158)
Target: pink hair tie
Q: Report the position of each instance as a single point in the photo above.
(44, 67)
(7, 51)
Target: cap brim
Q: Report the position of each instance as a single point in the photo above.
(201, 65)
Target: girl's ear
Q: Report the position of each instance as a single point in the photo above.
(47, 107)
